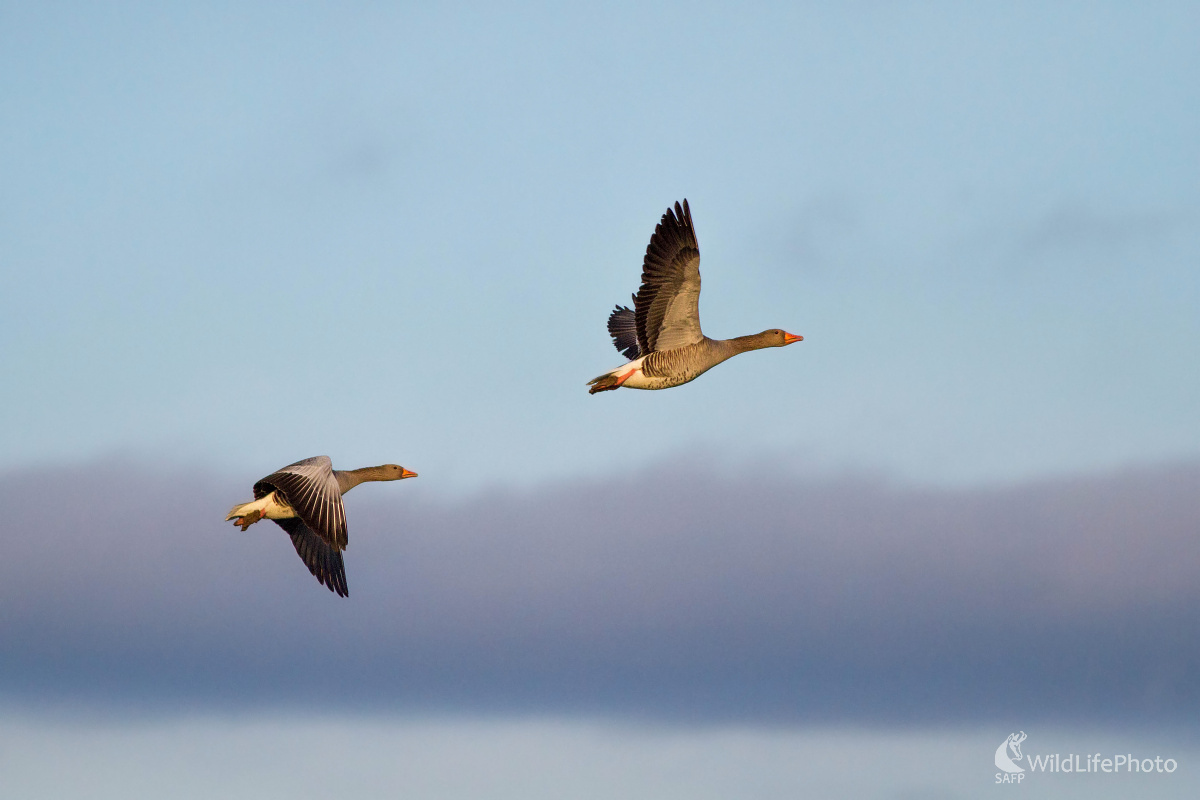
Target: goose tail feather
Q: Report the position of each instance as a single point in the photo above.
(239, 510)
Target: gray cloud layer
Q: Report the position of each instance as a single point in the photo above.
(710, 595)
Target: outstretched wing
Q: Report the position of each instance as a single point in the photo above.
(668, 302)
(310, 487)
(323, 561)
(622, 327)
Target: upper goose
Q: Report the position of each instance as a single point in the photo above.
(305, 499)
(661, 333)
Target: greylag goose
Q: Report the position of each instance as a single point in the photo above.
(305, 499)
(661, 334)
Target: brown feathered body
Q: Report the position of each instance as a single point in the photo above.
(661, 334)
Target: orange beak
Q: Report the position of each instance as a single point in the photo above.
(407, 473)
(788, 338)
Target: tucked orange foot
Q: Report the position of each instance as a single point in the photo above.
(248, 520)
(607, 383)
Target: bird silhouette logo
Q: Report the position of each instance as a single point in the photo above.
(1013, 743)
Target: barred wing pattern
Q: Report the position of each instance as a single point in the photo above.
(668, 302)
(622, 327)
(323, 561)
(310, 487)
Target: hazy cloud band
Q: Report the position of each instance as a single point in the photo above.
(758, 595)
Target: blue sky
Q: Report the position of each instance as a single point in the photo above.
(233, 236)
(239, 235)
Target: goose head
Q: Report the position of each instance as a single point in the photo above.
(394, 472)
(779, 338)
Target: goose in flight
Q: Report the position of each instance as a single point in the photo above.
(305, 499)
(661, 334)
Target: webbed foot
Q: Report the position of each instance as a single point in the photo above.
(248, 519)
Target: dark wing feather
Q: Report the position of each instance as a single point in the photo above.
(310, 487)
(622, 327)
(668, 302)
(323, 561)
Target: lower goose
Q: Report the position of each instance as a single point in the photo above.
(305, 499)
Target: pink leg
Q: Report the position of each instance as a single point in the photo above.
(625, 377)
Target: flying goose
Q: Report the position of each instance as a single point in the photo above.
(661, 334)
(305, 499)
